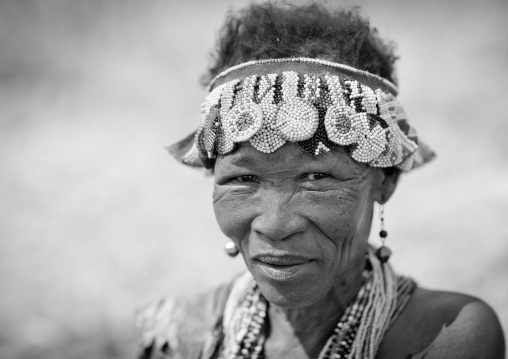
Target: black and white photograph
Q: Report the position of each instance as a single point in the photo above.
(265, 179)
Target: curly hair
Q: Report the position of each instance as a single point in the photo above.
(278, 30)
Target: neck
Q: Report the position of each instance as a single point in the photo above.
(312, 325)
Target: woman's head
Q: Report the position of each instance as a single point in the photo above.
(302, 147)
(300, 221)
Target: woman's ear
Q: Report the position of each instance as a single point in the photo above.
(387, 182)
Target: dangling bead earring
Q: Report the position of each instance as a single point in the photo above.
(383, 253)
(231, 249)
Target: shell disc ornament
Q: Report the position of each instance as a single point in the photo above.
(243, 121)
(314, 103)
(297, 120)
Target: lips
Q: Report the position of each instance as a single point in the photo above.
(282, 267)
(281, 260)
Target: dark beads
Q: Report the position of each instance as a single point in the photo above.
(166, 349)
(383, 254)
(383, 234)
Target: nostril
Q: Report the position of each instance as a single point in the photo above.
(278, 226)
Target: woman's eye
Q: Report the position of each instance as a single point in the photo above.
(246, 178)
(316, 176)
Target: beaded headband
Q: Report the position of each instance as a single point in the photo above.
(315, 103)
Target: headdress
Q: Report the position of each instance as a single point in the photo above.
(315, 103)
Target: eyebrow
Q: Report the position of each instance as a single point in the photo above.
(240, 160)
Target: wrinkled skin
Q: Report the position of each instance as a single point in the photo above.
(317, 207)
(318, 211)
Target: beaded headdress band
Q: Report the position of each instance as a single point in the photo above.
(315, 103)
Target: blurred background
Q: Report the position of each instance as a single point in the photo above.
(96, 219)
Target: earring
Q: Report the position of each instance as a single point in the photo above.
(383, 253)
(231, 249)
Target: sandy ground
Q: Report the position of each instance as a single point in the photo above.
(96, 219)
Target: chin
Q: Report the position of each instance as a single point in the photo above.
(290, 294)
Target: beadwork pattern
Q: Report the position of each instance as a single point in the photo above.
(245, 336)
(243, 327)
(316, 104)
(357, 334)
(306, 60)
(316, 112)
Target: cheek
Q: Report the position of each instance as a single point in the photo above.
(233, 213)
(342, 217)
(338, 214)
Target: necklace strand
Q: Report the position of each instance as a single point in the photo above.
(357, 334)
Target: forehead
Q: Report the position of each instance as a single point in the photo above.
(289, 157)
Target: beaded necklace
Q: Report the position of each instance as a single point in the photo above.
(357, 334)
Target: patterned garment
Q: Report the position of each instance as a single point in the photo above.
(192, 328)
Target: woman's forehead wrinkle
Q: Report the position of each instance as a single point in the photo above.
(290, 161)
(277, 172)
(240, 160)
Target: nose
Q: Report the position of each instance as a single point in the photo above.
(277, 218)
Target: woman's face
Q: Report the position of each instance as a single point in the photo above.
(300, 221)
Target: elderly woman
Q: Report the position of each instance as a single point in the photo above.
(304, 134)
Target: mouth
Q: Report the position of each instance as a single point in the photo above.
(282, 267)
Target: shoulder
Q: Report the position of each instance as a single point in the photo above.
(179, 327)
(469, 327)
(438, 324)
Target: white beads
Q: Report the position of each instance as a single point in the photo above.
(335, 89)
(371, 142)
(355, 94)
(243, 121)
(267, 139)
(209, 130)
(392, 153)
(297, 120)
(321, 148)
(400, 145)
(224, 142)
(311, 90)
(227, 97)
(369, 101)
(289, 86)
(270, 110)
(316, 62)
(339, 127)
(246, 117)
